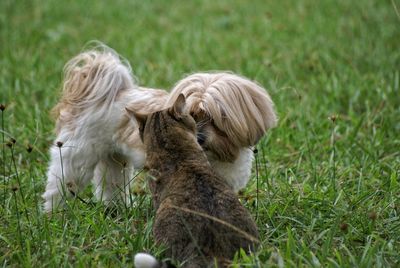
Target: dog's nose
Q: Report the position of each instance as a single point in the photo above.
(201, 138)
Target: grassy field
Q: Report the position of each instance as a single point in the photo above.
(329, 188)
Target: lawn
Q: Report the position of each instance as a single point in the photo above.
(327, 175)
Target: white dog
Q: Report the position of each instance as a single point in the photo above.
(96, 140)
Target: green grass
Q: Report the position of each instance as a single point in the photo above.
(329, 189)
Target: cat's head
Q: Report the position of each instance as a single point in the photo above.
(169, 137)
(169, 128)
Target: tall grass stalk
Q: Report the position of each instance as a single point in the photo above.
(257, 180)
(59, 145)
(19, 230)
(20, 190)
(333, 119)
(33, 181)
(2, 108)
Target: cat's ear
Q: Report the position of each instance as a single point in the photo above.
(177, 109)
(139, 118)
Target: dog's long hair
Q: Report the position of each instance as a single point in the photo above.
(92, 82)
(239, 107)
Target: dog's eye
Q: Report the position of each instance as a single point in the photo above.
(201, 138)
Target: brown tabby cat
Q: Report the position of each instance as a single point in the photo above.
(199, 218)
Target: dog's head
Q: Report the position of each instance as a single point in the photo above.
(231, 112)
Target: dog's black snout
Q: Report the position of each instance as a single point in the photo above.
(201, 138)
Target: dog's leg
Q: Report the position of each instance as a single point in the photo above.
(69, 172)
(112, 179)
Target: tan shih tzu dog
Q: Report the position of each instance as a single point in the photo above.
(97, 141)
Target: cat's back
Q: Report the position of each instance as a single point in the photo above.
(204, 211)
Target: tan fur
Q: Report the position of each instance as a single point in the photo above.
(238, 107)
(127, 132)
(198, 216)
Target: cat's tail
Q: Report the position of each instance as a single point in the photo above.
(144, 260)
(93, 78)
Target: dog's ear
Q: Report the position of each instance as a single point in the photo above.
(139, 118)
(177, 109)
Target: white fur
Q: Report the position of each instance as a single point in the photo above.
(90, 151)
(99, 142)
(143, 260)
(236, 174)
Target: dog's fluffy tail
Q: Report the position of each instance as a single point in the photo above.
(93, 79)
(143, 260)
